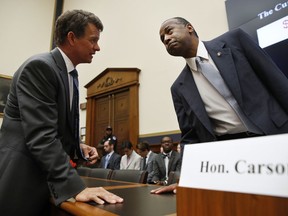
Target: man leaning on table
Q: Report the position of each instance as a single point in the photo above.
(229, 88)
(40, 129)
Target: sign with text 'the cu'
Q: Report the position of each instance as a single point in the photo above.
(256, 165)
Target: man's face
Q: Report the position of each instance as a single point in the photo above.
(108, 132)
(167, 144)
(142, 153)
(87, 45)
(108, 148)
(128, 151)
(176, 37)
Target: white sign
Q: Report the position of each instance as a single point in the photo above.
(273, 33)
(256, 165)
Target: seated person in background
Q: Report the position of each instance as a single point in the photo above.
(110, 137)
(179, 148)
(130, 160)
(165, 162)
(148, 156)
(111, 160)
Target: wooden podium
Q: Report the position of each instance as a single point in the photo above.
(200, 202)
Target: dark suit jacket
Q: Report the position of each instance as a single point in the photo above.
(257, 84)
(159, 166)
(113, 163)
(149, 166)
(36, 137)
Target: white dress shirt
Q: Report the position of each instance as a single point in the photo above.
(224, 118)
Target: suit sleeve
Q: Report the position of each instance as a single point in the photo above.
(117, 162)
(179, 162)
(102, 162)
(156, 170)
(37, 91)
(188, 134)
(266, 69)
(150, 170)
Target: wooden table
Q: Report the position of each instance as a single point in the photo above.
(137, 201)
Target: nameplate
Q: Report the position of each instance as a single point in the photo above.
(256, 165)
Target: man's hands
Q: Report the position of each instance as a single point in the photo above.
(165, 189)
(90, 153)
(98, 195)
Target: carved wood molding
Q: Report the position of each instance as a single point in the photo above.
(110, 81)
(112, 78)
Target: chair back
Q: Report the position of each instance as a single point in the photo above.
(100, 173)
(137, 176)
(83, 171)
(173, 177)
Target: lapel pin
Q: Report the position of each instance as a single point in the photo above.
(219, 54)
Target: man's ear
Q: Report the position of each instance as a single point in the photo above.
(71, 38)
(190, 28)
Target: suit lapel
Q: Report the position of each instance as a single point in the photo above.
(223, 59)
(191, 94)
(171, 159)
(162, 161)
(150, 158)
(64, 76)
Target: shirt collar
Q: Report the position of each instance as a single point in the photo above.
(168, 154)
(202, 52)
(69, 65)
(109, 154)
(148, 155)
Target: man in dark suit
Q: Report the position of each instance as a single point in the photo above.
(165, 162)
(108, 136)
(39, 133)
(111, 160)
(258, 89)
(147, 160)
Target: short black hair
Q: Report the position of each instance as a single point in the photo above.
(126, 144)
(167, 137)
(143, 146)
(182, 20)
(110, 142)
(185, 22)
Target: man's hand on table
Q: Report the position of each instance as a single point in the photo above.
(165, 189)
(98, 195)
